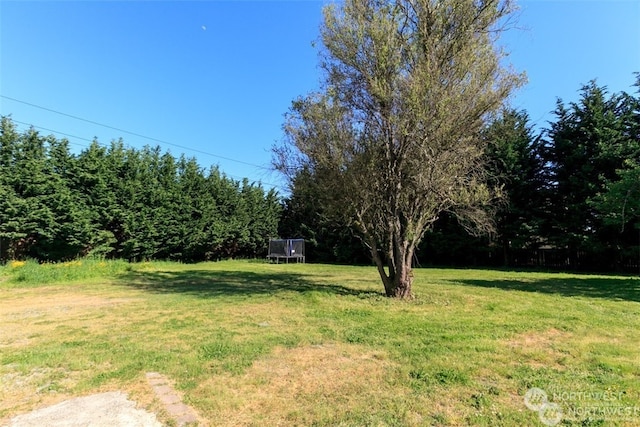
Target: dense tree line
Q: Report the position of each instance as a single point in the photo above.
(120, 202)
(571, 194)
(572, 190)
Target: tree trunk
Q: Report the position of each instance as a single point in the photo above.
(402, 283)
(397, 283)
(386, 280)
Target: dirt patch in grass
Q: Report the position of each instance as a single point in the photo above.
(31, 318)
(299, 386)
(22, 391)
(33, 307)
(25, 317)
(540, 348)
(533, 339)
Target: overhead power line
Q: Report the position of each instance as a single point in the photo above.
(55, 131)
(105, 145)
(133, 133)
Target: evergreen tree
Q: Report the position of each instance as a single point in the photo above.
(123, 203)
(619, 202)
(10, 203)
(516, 165)
(195, 210)
(327, 238)
(34, 221)
(586, 145)
(93, 182)
(71, 229)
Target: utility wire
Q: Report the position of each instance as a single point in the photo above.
(104, 145)
(132, 133)
(55, 131)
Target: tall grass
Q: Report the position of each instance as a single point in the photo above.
(30, 273)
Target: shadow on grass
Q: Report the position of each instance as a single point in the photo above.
(208, 284)
(620, 289)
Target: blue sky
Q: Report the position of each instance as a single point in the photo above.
(212, 79)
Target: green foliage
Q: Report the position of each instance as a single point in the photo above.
(572, 152)
(587, 144)
(620, 203)
(119, 202)
(30, 273)
(328, 239)
(392, 141)
(516, 165)
(573, 188)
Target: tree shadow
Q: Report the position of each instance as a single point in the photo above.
(618, 289)
(210, 284)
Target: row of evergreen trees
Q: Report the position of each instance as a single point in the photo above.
(573, 188)
(572, 191)
(121, 202)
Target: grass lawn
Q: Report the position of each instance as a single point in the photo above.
(249, 343)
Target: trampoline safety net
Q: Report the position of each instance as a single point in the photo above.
(286, 249)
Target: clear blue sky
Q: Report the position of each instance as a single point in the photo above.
(214, 78)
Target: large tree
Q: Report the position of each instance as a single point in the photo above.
(587, 144)
(516, 166)
(393, 139)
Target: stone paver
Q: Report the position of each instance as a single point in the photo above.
(181, 413)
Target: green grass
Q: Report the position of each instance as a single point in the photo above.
(32, 274)
(261, 344)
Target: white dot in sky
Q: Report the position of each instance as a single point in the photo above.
(204, 28)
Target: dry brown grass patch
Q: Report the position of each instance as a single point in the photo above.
(294, 386)
(540, 348)
(25, 315)
(532, 339)
(22, 392)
